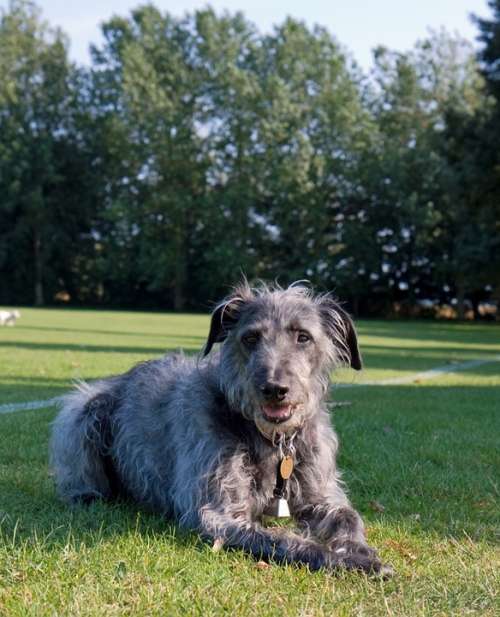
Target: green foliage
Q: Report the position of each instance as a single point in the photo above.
(44, 185)
(427, 211)
(489, 36)
(487, 159)
(196, 148)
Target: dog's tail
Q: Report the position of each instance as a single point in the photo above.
(80, 447)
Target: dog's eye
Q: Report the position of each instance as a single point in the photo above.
(250, 340)
(303, 337)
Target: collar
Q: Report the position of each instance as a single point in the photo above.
(276, 436)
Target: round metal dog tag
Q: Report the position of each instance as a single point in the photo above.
(286, 467)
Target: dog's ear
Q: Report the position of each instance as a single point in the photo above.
(340, 328)
(224, 318)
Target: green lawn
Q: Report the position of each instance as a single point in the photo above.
(422, 463)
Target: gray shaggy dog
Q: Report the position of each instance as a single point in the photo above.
(202, 441)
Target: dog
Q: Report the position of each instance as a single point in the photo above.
(8, 318)
(217, 442)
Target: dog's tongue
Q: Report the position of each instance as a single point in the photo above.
(276, 412)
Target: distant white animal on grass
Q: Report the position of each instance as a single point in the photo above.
(8, 318)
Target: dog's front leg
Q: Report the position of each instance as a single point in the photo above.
(322, 509)
(340, 528)
(279, 545)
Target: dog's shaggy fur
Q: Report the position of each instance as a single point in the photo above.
(201, 440)
(8, 318)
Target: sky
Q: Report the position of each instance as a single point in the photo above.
(359, 25)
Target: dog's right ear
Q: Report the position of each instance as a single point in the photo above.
(224, 318)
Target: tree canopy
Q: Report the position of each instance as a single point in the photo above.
(195, 149)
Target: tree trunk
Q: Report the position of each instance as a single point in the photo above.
(37, 254)
(476, 300)
(179, 299)
(180, 275)
(460, 299)
(355, 306)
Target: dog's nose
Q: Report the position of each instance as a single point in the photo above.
(275, 391)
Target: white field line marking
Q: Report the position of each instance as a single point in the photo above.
(424, 375)
(10, 407)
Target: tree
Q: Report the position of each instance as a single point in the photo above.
(309, 136)
(488, 138)
(150, 108)
(42, 166)
(197, 148)
(425, 212)
(489, 36)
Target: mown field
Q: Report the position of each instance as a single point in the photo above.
(421, 460)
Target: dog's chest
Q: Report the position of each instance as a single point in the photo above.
(264, 475)
(274, 483)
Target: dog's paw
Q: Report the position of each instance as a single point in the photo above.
(359, 556)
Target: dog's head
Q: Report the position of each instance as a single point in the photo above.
(279, 347)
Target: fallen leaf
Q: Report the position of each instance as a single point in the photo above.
(402, 550)
(262, 565)
(218, 544)
(481, 504)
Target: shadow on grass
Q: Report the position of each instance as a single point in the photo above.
(55, 524)
(159, 333)
(428, 352)
(423, 358)
(429, 456)
(154, 350)
(479, 333)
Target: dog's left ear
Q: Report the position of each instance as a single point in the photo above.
(224, 318)
(341, 330)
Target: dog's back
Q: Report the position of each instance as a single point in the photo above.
(135, 434)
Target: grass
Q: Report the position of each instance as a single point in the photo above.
(421, 462)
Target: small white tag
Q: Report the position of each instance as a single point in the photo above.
(283, 509)
(278, 508)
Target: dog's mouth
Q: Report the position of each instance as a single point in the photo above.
(277, 412)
